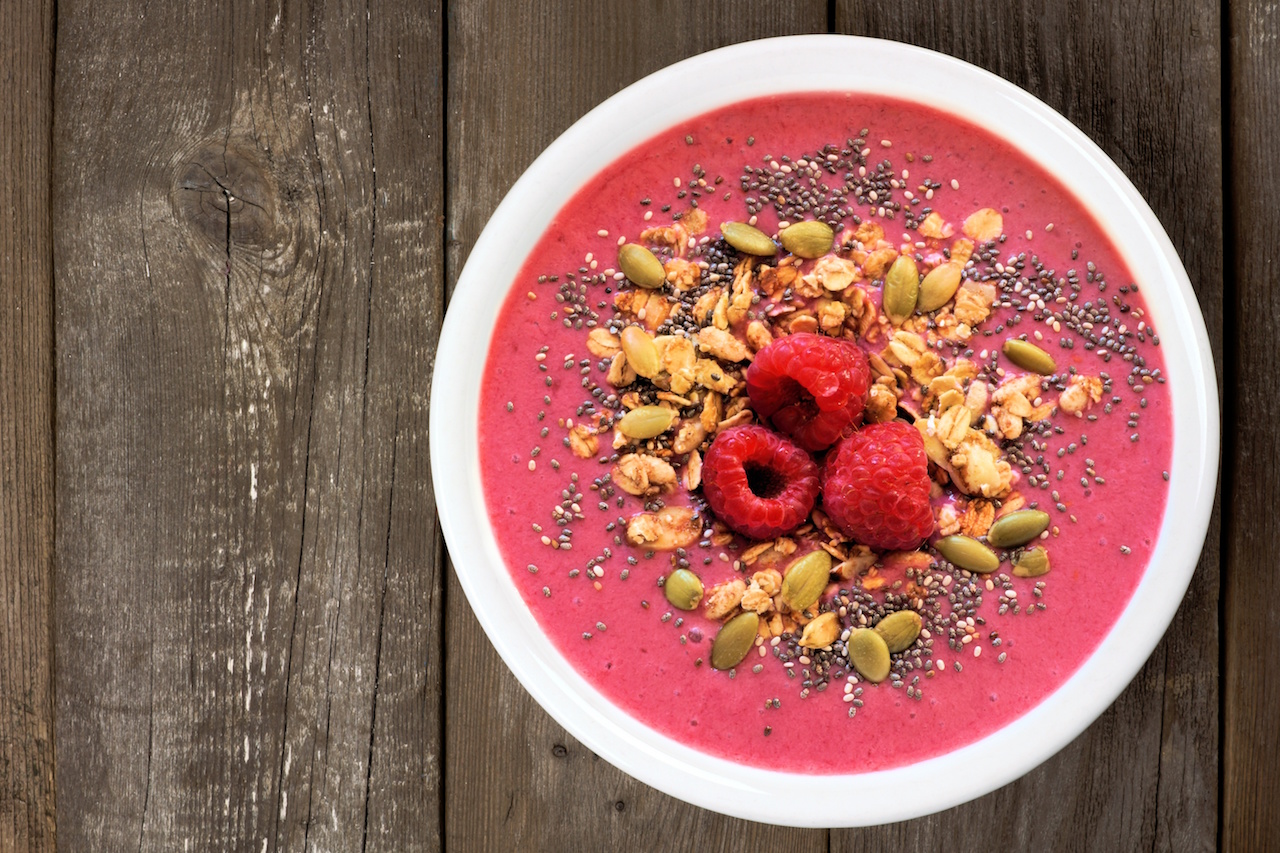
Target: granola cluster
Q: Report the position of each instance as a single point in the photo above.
(677, 355)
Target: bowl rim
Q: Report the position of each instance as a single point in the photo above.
(640, 111)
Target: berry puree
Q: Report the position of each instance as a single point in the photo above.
(977, 311)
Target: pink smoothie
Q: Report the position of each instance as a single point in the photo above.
(598, 598)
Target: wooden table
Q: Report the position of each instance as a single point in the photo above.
(228, 236)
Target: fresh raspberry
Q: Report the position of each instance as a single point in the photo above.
(757, 482)
(810, 387)
(875, 487)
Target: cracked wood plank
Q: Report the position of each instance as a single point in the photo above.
(515, 780)
(1251, 692)
(249, 293)
(1146, 88)
(26, 429)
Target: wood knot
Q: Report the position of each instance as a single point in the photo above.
(227, 193)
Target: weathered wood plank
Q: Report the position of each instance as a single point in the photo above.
(1146, 88)
(249, 287)
(514, 779)
(26, 429)
(1251, 590)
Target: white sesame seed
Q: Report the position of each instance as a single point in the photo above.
(676, 182)
(648, 214)
(533, 464)
(884, 143)
(602, 233)
(955, 185)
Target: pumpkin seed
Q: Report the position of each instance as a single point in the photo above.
(734, 640)
(939, 285)
(1028, 356)
(1032, 563)
(899, 629)
(1017, 528)
(641, 351)
(748, 239)
(869, 655)
(968, 553)
(641, 266)
(811, 239)
(683, 589)
(805, 580)
(821, 632)
(647, 421)
(901, 287)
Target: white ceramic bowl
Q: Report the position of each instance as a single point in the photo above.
(639, 112)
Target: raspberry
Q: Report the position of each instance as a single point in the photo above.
(875, 487)
(758, 483)
(810, 387)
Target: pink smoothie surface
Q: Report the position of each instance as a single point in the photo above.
(607, 615)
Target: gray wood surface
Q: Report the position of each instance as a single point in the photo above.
(26, 429)
(249, 217)
(249, 568)
(1251, 586)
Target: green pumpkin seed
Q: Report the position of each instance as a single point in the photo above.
(748, 239)
(641, 351)
(1018, 528)
(1028, 356)
(683, 589)
(734, 640)
(810, 239)
(899, 630)
(1032, 563)
(968, 554)
(869, 655)
(805, 580)
(939, 285)
(641, 266)
(901, 287)
(647, 421)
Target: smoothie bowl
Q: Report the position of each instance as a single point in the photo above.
(824, 440)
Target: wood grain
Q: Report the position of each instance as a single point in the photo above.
(248, 278)
(26, 429)
(1251, 590)
(515, 779)
(1145, 775)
